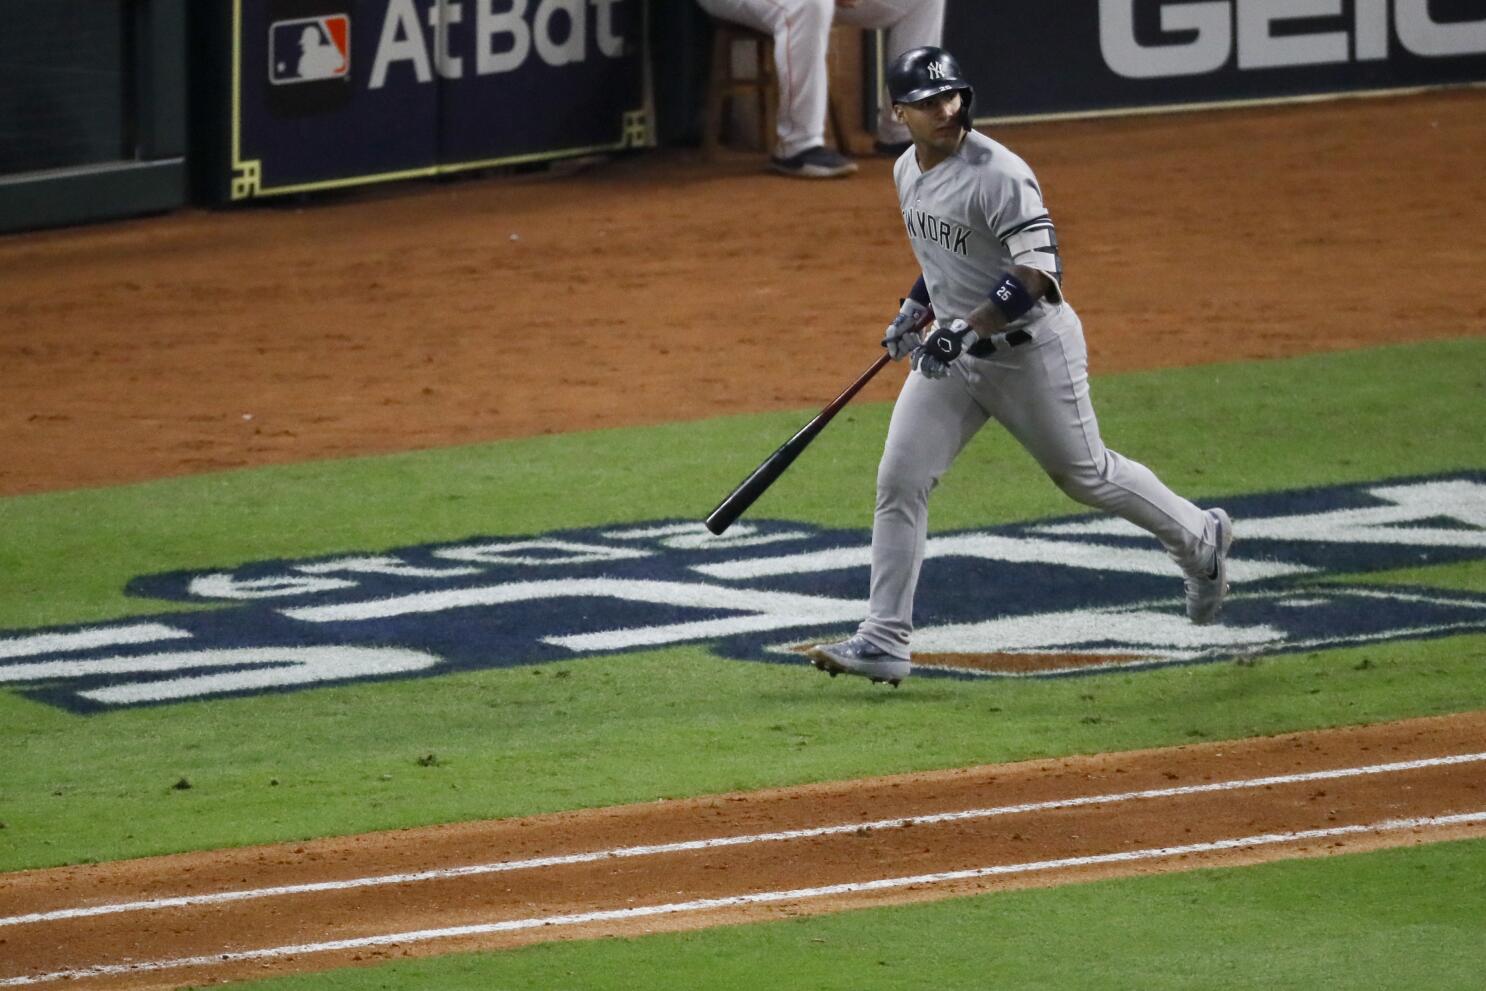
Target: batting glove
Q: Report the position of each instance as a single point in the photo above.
(902, 334)
(933, 357)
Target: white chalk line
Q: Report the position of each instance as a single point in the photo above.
(736, 901)
(182, 901)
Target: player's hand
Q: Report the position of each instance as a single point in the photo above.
(939, 350)
(902, 334)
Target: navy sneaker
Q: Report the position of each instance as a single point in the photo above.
(819, 162)
(858, 656)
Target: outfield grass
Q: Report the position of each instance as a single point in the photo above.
(1209, 431)
(351, 758)
(345, 759)
(1396, 920)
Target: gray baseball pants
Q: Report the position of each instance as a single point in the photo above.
(1039, 392)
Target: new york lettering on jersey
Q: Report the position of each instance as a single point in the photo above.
(924, 226)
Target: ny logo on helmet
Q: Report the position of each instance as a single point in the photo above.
(936, 71)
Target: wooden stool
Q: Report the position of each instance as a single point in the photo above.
(724, 86)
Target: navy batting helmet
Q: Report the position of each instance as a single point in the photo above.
(920, 73)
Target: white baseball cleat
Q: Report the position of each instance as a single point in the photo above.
(858, 656)
(1205, 594)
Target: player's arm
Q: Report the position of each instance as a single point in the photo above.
(1013, 295)
(1036, 271)
(1016, 291)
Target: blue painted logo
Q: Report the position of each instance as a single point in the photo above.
(1053, 598)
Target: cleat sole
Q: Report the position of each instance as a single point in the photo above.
(831, 667)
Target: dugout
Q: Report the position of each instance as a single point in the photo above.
(92, 110)
(113, 108)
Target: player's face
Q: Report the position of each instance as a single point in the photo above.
(934, 121)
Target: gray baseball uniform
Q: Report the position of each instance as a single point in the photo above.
(970, 218)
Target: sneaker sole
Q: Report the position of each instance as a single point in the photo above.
(815, 171)
(825, 662)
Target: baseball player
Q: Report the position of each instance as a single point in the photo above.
(801, 30)
(1006, 345)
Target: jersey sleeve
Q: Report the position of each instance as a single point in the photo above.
(1021, 221)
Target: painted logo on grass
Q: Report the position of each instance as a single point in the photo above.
(1051, 598)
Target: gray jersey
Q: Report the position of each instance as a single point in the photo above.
(970, 218)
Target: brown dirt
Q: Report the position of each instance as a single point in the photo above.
(660, 288)
(1094, 829)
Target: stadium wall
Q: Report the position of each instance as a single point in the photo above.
(121, 107)
(92, 110)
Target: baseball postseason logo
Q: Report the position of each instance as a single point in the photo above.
(1076, 596)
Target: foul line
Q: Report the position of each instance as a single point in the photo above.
(735, 901)
(727, 841)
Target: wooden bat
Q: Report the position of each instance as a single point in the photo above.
(773, 466)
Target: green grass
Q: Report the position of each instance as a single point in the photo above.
(1209, 431)
(1465, 576)
(1397, 919)
(346, 759)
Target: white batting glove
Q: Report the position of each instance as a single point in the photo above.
(902, 336)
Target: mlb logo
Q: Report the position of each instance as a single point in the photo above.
(309, 49)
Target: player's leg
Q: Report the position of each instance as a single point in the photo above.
(801, 30)
(932, 421)
(909, 24)
(1040, 392)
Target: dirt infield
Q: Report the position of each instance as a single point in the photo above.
(737, 858)
(661, 288)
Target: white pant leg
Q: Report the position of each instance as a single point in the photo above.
(1040, 393)
(932, 422)
(909, 24)
(802, 31)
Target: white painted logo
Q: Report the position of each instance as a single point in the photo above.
(765, 587)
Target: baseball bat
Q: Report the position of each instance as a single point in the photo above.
(774, 465)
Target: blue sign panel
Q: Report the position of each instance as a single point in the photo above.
(1088, 56)
(337, 92)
